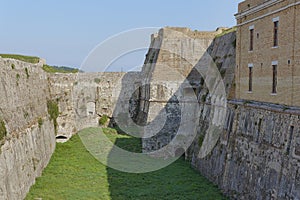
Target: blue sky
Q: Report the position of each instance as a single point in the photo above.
(64, 32)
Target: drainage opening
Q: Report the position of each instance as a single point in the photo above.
(61, 137)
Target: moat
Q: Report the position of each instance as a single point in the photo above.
(73, 173)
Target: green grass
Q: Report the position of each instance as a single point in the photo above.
(74, 174)
(103, 120)
(230, 30)
(56, 69)
(29, 59)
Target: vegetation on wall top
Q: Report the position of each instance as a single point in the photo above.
(62, 69)
(29, 59)
(224, 32)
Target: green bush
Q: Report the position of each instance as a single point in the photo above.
(53, 111)
(29, 59)
(40, 122)
(3, 131)
(27, 73)
(103, 120)
(18, 78)
(13, 66)
(26, 114)
(97, 80)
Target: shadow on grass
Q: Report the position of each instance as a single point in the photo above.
(177, 181)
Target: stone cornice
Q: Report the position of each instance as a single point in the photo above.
(265, 15)
(257, 8)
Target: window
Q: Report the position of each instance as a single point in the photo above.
(251, 35)
(250, 66)
(276, 25)
(274, 85)
(251, 39)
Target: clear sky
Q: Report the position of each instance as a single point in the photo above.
(65, 31)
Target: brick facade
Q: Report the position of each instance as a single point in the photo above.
(275, 68)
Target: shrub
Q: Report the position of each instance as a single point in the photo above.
(40, 122)
(26, 114)
(53, 111)
(13, 66)
(27, 73)
(103, 120)
(3, 131)
(97, 80)
(18, 78)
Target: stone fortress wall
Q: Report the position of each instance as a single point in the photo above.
(171, 57)
(84, 98)
(30, 140)
(257, 155)
(25, 90)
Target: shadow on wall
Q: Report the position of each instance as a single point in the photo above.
(167, 112)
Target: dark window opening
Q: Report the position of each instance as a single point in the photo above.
(275, 43)
(250, 78)
(251, 39)
(274, 86)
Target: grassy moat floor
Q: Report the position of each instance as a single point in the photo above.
(73, 173)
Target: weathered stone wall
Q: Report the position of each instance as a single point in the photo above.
(30, 140)
(172, 56)
(257, 156)
(25, 90)
(85, 97)
(168, 94)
